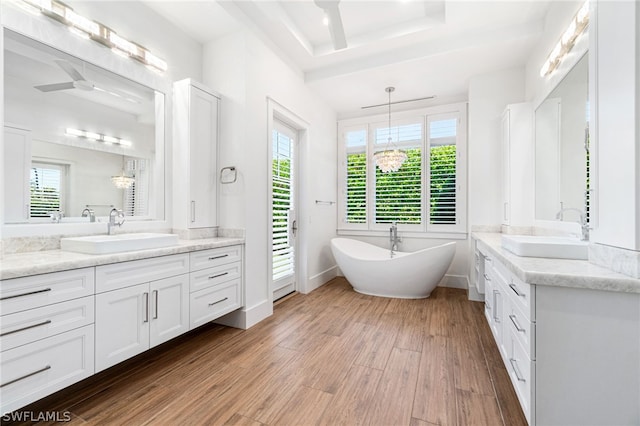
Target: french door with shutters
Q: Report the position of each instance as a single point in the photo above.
(284, 226)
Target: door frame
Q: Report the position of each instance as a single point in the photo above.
(275, 110)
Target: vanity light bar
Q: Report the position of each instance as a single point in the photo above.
(98, 137)
(576, 27)
(87, 28)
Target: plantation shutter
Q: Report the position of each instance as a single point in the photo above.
(46, 187)
(443, 185)
(398, 194)
(356, 176)
(136, 197)
(283, 200)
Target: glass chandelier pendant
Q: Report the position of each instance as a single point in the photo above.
(122, 181)
(390, 160)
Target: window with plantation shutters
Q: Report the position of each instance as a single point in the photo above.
(46, 186)
(355, 190)
(442, 141)
(398, 194)
(427, 194)
(135, 202)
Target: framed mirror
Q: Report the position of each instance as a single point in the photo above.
(561, 148)
(79, 139)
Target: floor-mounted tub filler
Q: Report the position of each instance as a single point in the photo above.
(372, 270)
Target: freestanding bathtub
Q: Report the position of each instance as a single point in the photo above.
(371, 269)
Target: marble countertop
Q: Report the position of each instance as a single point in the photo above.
(556, 272)
(43, 262)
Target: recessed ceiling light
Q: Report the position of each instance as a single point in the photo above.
(325, 20)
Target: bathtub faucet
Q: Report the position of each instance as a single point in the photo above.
(393, 238)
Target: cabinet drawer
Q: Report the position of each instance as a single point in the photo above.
(25, 327)
(215, 257)
(213, 276)
(119, 275)
(521, 371)
(20, 294)
(33, 371)
(521, 293)
(521, 328)
(211, 303)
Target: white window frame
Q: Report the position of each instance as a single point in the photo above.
(457, 230)
(65, 169)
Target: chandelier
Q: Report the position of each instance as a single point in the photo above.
(122, 181)
(391, 159)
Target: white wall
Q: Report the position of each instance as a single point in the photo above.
(246, 73)
(489, 94)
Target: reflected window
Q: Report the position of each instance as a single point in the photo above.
(47, 188)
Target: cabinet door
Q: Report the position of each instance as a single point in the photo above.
(169, 308)
(17, 166)
(203, 117)
(122, 324)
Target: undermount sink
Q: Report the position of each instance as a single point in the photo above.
(105, 244)
(543, 246)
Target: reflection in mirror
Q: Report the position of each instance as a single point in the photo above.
(69, 128)
(561, 141)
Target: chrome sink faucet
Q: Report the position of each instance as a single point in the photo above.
(112, 219)
(90, 213)
(584, 225)
(393, 238)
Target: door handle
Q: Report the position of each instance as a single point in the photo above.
(294, 226)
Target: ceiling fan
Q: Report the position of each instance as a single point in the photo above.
(79, 82)
(336, 29)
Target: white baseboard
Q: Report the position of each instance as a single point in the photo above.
(247, 317)
(319, 279)
(454, 281)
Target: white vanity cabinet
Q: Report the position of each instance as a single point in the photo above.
(517, 165)
(195, 143)
(572, 353)
(17, 165)
(215, 283)
(46, 334)
(140, 304)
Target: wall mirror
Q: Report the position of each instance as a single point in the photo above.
(71, 129)
(561, 143)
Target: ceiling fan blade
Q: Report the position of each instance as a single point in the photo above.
(69, 69)
(55, 86)
(336, 29)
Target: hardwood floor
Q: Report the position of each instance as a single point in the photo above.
(331, 357)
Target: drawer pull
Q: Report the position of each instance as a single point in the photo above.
(146, 307)
(218, 275)
(514, 365)
(515, 324)
(513, 287)
(218, 257)
(44, 290)
(486, 277)
(26, 328)
(155, 296)
(10, 382)
(221, 300)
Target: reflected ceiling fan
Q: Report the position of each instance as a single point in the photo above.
(336, 29)
(79, 82)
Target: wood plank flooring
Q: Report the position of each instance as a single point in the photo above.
(333, 357)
